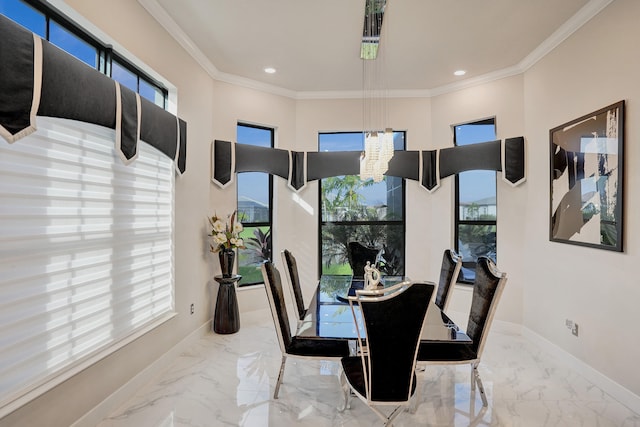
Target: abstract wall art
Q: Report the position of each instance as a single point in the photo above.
(587, 161)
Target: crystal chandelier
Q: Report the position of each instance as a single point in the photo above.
(378, 145)
(378, 150)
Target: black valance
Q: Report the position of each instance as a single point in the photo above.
(37, 78)
(426, 167)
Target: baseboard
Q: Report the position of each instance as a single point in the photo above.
(609, 386)
(501, 326)
(508, 328)
(124, 393)
(256, 317)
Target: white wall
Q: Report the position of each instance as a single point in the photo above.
(598, 289)
(548, 282)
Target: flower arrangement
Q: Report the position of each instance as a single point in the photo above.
(226, 235)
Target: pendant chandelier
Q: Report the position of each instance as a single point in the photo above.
(378, 144)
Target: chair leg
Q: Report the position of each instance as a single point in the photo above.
(275, 393)
(387, 419)
(346, 393)
(415, 400)
(477, 380)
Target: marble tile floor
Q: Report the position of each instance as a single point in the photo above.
(228, 380)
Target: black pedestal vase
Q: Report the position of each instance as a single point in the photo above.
(226, 319)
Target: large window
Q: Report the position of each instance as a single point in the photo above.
(254, 208)
(86, 252)
(363, 211)
(475, 221)
(86, 243)
(51, 25)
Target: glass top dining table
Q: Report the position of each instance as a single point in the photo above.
(329, 314)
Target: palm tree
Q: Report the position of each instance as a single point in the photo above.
(342, 201)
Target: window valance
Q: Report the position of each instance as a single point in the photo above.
(37, 78)
(426, 167)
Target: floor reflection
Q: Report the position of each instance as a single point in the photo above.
(228, 380)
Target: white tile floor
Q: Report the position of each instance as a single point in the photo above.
(228, 380)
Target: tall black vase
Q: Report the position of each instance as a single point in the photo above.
(227, 258)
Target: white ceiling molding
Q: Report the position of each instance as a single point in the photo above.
(163, 18)
(591, 9)
(475, 81)
(583, 16)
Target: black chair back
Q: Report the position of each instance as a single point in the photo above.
(275, 294)
(393, 327)
(294, 281)
(358, 255)
(487, 289)
(449, 271)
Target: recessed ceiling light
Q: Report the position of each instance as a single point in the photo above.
(269, 70)
(459, 73)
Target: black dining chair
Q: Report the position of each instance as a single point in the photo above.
(358, 255)
(292, 345)
(384, 372)
(449, 271)
(487, 289)
(291, 270)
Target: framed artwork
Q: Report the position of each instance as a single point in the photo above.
(587, 162)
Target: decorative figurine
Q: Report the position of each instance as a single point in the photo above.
(371, 277)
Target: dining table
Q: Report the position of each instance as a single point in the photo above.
(329, 314)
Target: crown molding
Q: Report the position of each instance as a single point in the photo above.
(572, 25)
(476, 81)
(167, 22)
(588, 11)
(357, 94)
(163, 18)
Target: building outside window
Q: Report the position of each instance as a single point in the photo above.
(255, 196)
(475, 203)
(363, 211)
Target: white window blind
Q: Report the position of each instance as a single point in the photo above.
(86, 252)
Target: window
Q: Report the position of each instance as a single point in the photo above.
(475, 203)
(364, 211)
(86, 252)
(255, 195)
(127, 75)
(51, 25)
(73, 44)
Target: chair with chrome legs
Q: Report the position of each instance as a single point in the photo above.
(487, 289)
(392, 320)
(449, 271)
(291, 270)
(291, 345)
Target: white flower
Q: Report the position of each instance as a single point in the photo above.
(220, 238)
(218, 226)
(225, 233)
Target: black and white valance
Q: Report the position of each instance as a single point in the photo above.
(426, 167)
(37, 78)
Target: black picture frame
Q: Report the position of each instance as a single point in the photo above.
(586, 180)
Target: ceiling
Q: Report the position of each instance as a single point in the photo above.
(315, 44)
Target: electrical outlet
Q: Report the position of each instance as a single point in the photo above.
(193, 308)
(574, 330)
(569, 324)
